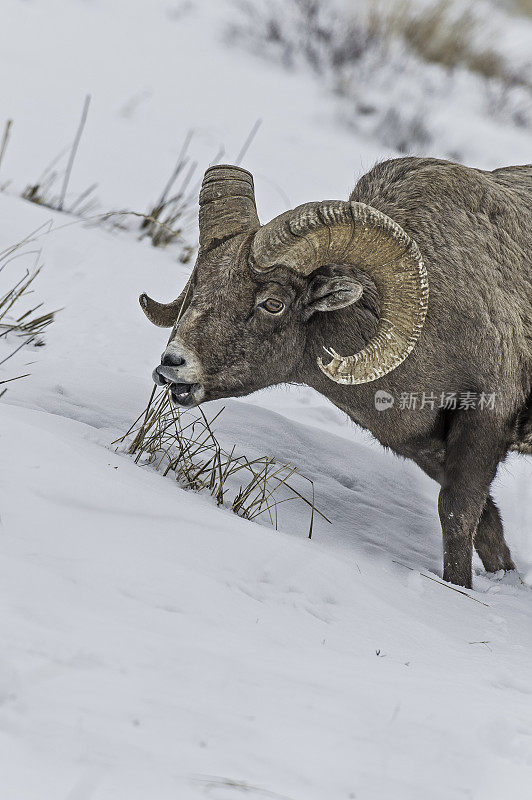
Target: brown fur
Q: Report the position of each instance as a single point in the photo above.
(474, 230)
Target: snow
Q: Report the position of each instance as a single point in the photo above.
(153, 645)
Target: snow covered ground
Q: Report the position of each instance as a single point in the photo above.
(153, 645)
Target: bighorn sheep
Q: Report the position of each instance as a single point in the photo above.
(424, 278)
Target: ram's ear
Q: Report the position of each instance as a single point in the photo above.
(329, 293)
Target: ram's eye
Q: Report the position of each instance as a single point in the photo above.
(272, 305)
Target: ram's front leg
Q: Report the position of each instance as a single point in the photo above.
(476, 443)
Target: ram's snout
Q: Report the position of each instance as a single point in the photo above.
(182, 376)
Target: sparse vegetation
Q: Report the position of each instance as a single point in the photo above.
(184, 443)
(168, 219)
(523, 6)
(30, 325)
(5, 140)
(44, 191)
(440, 33)
(165, 221)
(392, 59)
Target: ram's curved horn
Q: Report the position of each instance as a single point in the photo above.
(165, 315)
(336, 232)
(227, 205)
(227, 208)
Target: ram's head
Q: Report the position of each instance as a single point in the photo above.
(258, 296)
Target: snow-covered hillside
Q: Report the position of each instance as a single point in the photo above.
(155, 646)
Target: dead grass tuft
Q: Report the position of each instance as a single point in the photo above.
(383, 57)
(46, 192)
(167, 219)
(184, 443)
(438, 34)
(523, 6)
(31, 324)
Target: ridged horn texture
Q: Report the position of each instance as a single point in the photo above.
(165, 315)
(337, 232)
(227, 208)
(227, 205)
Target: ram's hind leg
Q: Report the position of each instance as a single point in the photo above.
(475, 445)
(489, 540)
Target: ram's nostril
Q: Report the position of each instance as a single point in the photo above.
(172, 360)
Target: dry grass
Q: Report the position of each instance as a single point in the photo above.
(43, 193)
(5, 140)
(389, 59)
(438, 34)
(523, 6)
(50, 190)
(184, 443)
(166, 221)
(31, 324)
(441, 32)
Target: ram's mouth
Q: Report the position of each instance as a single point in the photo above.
(183, 394)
